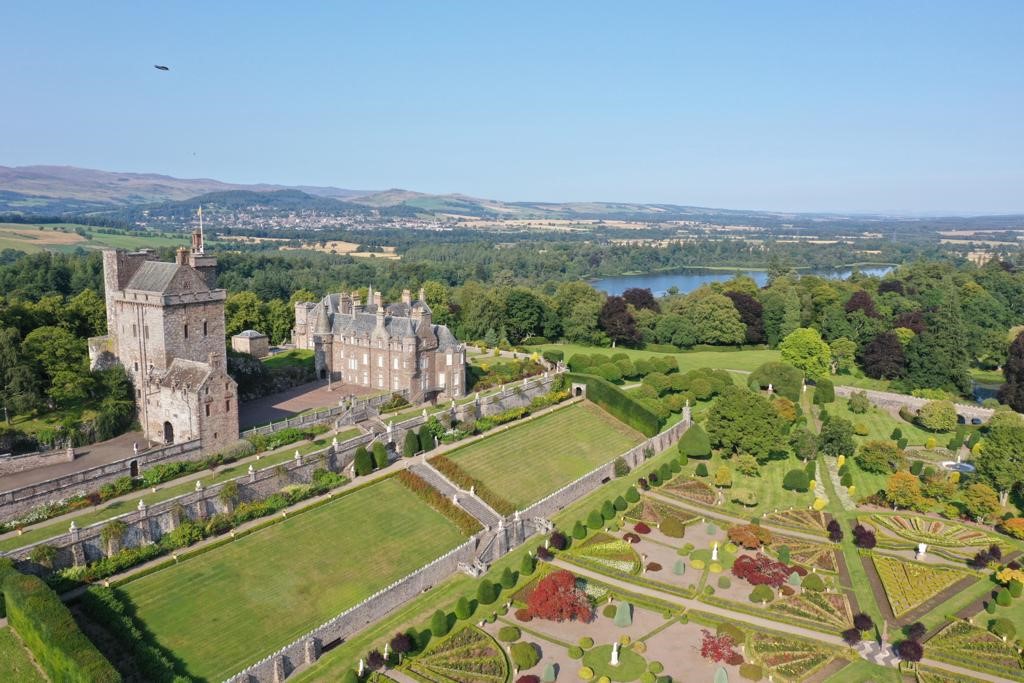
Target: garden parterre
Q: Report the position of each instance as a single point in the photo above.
(467, 656)
(910, 584)
(968, 645)
(788, 659)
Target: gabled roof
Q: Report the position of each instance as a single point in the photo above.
(251, 334)
(166, 278)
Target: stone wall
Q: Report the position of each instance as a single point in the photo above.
(149, 524)
(894, 401)
(16, 502)
(11, 464)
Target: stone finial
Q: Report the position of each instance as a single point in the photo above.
(141, 506)
(298, 456)
(424, 412)
(199, 485)
(73, 528)
(334, 442)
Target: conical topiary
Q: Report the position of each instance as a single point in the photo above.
(623, 615)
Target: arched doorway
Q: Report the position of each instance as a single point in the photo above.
(133, 468)
(579, 391)
(323, 374)
(168, 433)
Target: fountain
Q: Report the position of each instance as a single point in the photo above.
(957, 466)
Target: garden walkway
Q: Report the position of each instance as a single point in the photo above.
(769, 624)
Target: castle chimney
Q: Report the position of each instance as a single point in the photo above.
(181, 256)
(423, 295)
(197, 242)
(380, 316)
(357, 304)
(377, 300)
(406, 297)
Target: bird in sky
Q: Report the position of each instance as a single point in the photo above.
(161, 67)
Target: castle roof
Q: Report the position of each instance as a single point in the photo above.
(167, 278)
(185, 374)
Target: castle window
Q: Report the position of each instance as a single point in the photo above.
(138, 393)
(394, 364)
(207, 410)
(136, 364)
(440, 379)
(380, 361)
(135, 330)
(145, 332)
(227, 406)
(204, 328)
(449, 359)
(186, 330)
(455, 379)
(366, 359)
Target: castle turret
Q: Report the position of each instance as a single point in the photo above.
(205, 265)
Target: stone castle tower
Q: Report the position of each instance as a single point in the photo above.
(165, 325)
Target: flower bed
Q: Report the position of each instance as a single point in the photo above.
(691, 489)
(468, 656)
(909, 584)
(829, 609)
(918, 529)
(607, 551)
(787, 658)
(821, 556)
(813, 521)
(976, 648)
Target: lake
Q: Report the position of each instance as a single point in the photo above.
(690, 279)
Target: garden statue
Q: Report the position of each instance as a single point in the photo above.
(362, 667)
(455, 499)
(424, 412)
(298, 456)
(615, 654)
(714, 552)
(770, 388)
(387, 650)
(921, 548)
(135, 447)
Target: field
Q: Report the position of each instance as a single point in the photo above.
(15, 662)
(232, 606)
(348, 248)
(35, 238)
(746, 360)
(531, 460)
(880, 424)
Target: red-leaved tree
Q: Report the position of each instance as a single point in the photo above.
(719, 648)
(557, 598)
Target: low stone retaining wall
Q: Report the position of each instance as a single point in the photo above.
(356, 405)
(149, 524)
(894, 401)
(16, 502)
(12, 464)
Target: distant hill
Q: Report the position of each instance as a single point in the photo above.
(67, 189)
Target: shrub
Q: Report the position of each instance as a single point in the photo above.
(1003, 598)
(524, 655)
(557, 598)
(576, 652)
(861, 429)
(585, 673)
(524, 615)
(363, 462)
(586, 642)
(608, 611)
(759, 570)
(835, 531)
(813, 582)
(937, 416)
(380, 455)
(595, 520)
(695, 443)
(863, 622)
(858, 403)
(863, 537)
(527, 565)
(1013, 527)
(50, 633)
(579, 531)
(851, 636)
(750, 536)
(824, 392)
(702, 470)
(632, 495)
(620, 467)
(1003, 628)
(439, 623)
(795, 480)
(529, 678)
(744, 497)
(608, 510)
(641, 528)
(724, 582)
(486, 593)
(915, 631)
(509, 634)
(762, 593)
(909, 650)
(672, 527)
(557, 540)
(508, 578)
(463, 608)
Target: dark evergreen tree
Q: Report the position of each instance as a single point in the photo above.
(1012, 392)
(883, 358)
(617, 322)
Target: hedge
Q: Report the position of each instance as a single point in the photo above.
(45, 625)
(618, 404)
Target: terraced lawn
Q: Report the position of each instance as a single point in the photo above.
(531, 460)
(232, 606)
(166, 492)
(15, 662)
(688, 360)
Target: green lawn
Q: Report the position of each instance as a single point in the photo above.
(165, 492)
(688, 360)
(535, 458)
(15, 662)
(880, 424)
(862, 671)
(227, 608)
(290, 358)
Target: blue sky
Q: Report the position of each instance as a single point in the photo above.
(905, 106)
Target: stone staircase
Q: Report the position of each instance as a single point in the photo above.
(466, 500)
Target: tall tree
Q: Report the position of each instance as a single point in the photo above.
(741, 421)
(1012, 392)
(1001, 460)
(751, 313)
(616, 320)
(803, 348)
(937, 358)
(641, 298)
(882, 357)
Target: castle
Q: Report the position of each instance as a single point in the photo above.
(391, 348)
(165, 325)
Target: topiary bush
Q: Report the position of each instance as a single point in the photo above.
(524, 655)
(1003, 628)
(813, 582)
(762, 593)
(702, 470)
(751, 672)
(695, 443)
(576, 652)
(672, 527)
(795, 480)
(509, 634)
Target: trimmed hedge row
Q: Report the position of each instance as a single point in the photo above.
(618, 404)
(50, 633)
(105, 607)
